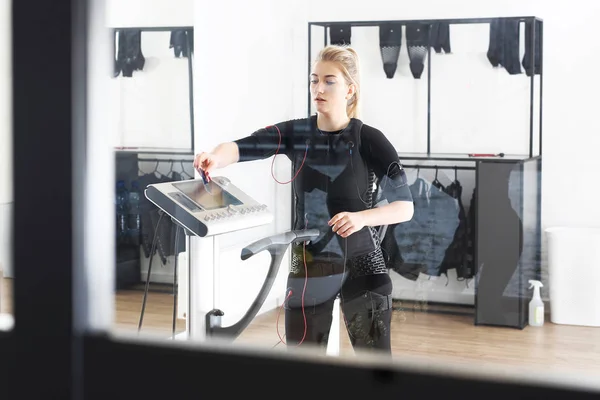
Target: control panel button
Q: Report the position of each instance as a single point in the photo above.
(223, 181)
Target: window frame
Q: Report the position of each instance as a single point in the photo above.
(50, 341)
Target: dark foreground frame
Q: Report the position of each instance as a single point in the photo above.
(47, 355)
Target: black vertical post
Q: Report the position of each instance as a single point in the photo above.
(45, 125)
(475, 235)
(429, 91)
(541, 51)
(191, 86)
(325, 36)
(82, 10)
(309, 65)
(531, 85)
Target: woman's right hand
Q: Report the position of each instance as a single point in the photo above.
(206, 162)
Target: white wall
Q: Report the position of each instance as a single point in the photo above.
(243, 81)
(137, 13)
(6, 151)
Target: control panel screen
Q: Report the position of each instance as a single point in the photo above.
(209, 197)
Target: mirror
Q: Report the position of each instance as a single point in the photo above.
(153, 89)
(487, 73)
(152, 100)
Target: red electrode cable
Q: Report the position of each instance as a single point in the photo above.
(303, 245)
(289, 295)
(277, 152)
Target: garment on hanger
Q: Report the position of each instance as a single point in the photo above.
(495, 53)
(393, 257)
(150, 216)
(417, 42)
(503, 49)
(179, 42)
(340, 34)
(456, 254)
(512, 44)
(400, 250)
(420, 245)
(411, 236)
(537, 48)
(443, 218)
(166, 230)
(440, 37)
(471, 267)
(129, 53)
(390, 41)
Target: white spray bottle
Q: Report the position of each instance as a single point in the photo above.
(536, 305)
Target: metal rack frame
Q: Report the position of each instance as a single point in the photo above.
(453, 21)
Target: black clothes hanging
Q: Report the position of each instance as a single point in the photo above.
(179, 42)
(440, 37)
(417, 42)
(527, 56)
(456, 256)
(340, 34)
(390, 41)
(150, 215)
(495, 53)
(503, 49)
(471, 268)
(423, 241)
(443, 221)
(410, 237)
(393, 257)
(129, 53)
(511, 47)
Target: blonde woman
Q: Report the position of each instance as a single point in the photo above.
(347, 181)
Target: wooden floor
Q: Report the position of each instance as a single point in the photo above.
(442, 337)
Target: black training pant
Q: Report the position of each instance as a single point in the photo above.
(365, 301)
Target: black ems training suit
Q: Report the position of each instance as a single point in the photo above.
(349, 170)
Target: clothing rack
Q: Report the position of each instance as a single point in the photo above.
(171, 161)
(165, 160)
(534, 21)
(454, 167)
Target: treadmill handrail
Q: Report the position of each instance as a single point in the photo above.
(285, 238)
(276, 246)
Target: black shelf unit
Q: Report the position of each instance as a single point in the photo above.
(129, 262)
(507, 238)
(127, 159)
(508, 191)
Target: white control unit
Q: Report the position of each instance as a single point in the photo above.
(206, 211)
(209, 209)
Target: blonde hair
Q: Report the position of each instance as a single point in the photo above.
(347, 60)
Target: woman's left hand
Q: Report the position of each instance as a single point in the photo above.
(346, 223)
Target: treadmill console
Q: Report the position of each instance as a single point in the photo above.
(211, 208)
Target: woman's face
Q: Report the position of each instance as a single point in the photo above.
(328, 88)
